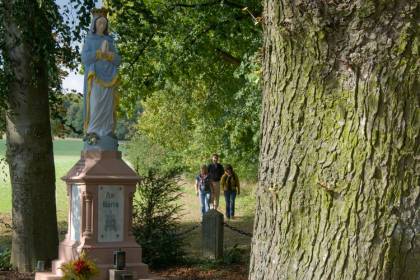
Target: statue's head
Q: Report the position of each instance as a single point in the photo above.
(100, 22)
(100, 26)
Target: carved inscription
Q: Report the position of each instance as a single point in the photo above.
(110, 213)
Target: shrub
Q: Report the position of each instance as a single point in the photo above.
(156, 217)
(5, 259)
(233, 255)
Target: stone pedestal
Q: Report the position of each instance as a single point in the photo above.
(101, 188)
(212, 234)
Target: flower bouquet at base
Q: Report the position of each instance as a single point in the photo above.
(81, 268)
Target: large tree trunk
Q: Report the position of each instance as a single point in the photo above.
(29, 142)
(339, 190)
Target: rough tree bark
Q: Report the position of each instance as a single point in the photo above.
(29, 142)
(339, 190)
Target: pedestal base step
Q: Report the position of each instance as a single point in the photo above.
(115, 274)
(47, 276)
(153, 277)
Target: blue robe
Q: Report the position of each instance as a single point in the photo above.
(100, 82)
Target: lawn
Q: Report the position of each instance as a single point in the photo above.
(66, 154)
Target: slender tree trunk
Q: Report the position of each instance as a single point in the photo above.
(29, 142)
(339, 179)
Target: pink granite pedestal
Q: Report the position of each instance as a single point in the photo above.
(100, 188)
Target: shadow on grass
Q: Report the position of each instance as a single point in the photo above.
(6, 232)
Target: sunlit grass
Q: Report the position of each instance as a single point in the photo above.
(66, 154)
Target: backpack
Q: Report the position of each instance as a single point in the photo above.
(204, 184)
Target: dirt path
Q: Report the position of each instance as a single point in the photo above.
(233, 272)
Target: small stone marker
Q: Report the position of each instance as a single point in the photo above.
(212, 234)
(40, 266)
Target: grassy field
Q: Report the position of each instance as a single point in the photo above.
(66, 154)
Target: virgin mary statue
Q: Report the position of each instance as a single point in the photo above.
(101, 61)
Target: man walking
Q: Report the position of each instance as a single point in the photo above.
(216, 172)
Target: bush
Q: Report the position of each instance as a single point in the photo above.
(156, 218)
(233, 255)
(5, 259)
(147, 155)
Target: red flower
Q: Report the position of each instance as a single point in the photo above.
(80, 266)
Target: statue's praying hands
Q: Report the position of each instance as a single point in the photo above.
(105, 47)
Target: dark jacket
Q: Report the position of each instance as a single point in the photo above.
(215, 171)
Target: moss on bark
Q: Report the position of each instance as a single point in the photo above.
(339, 176)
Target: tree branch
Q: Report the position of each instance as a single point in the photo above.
(212, 3)
(228, 57)
(140, 52)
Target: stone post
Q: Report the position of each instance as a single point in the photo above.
(212, 235)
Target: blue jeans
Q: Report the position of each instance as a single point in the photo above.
(230, 203)
(204, 201)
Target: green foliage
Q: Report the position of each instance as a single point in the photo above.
(155, 219)
(196, 67)
(147, 155)
(5, 260)
(68, 118)
(54, 42)
(233, 255)
(126, 122)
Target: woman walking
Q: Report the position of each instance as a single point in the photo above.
(203, 189)
(230, 185)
